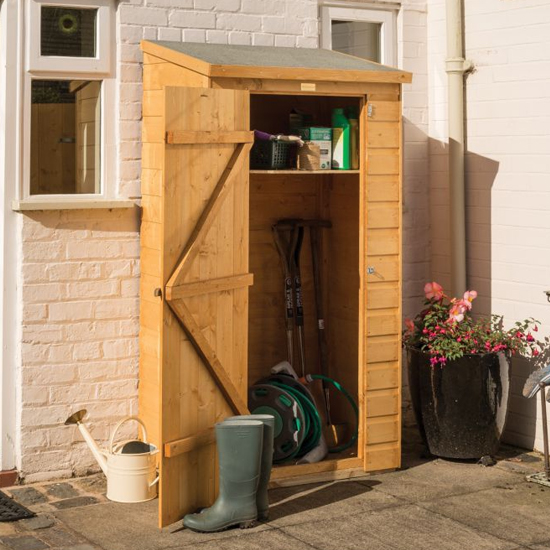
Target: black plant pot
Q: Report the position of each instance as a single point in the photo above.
(460, 407)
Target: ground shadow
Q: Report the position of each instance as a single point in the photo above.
(287, 501)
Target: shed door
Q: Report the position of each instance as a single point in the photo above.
(205, 266)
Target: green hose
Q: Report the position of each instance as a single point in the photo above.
(313, 423)
(347, 395)
(313, 420)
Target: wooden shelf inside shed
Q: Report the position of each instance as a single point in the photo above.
(307, 172)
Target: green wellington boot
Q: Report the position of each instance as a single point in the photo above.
(262, 500)
(239, 455)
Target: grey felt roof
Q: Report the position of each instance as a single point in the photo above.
(267, 56)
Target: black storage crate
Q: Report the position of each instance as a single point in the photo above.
(270, 155)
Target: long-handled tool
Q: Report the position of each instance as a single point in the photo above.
(298, 230)
(284, 248)
(323, 353)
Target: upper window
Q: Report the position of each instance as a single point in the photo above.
(69, 99)
(68, 32)
(70, 35)
(363, 33)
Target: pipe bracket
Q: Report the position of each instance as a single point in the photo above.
(458, 65)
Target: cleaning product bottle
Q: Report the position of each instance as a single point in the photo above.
(353, 138)
(340, 140)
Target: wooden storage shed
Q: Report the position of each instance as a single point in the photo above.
(212, 307)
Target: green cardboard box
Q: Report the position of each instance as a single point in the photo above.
(323, 138)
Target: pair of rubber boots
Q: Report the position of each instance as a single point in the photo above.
(245, 457)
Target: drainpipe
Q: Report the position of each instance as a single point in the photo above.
(456, 67)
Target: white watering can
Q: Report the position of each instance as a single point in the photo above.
(130, 466)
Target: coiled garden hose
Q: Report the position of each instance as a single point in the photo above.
(313, 423)
(308, 378)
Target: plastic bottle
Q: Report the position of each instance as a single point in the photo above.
(353, 138)
(340, 140)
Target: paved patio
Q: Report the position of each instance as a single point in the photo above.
(435, 504)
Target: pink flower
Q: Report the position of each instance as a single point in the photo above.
(469, 297)
(535, 328)
(456, 314)
(433, 290)
(535, 352)
(409, 323)
(530, 338)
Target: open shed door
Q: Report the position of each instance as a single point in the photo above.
(205, 266)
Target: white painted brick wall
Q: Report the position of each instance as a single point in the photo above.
(508, 167)
(80, 276)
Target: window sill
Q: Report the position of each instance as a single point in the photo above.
(71, 204)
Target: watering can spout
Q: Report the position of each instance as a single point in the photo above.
(77, 418)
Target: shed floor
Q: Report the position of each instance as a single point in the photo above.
(433, 504)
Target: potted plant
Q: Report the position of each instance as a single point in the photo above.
(459, 373)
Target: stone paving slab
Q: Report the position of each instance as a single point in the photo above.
(407, 527)
(519, 512)
(115, 526)
(292, 505)
(440, 478)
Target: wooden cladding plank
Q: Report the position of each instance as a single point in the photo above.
(151, 261)
(182, 137)
(381, 349)
(188, 444)
(209, 357)
(151, 235)
(221, 284)
(150, 314)
(152, 156)
(384, 111)
(383, 215)
(383, 296)
(152, 208)
(383, 376)
(149, 343)
(147, 285)
(383, 189)
(383, 430)
(153, 103)
(383, 322)
(383, 457)
(152, 129)
(383, 135)
(151, 181)
(382, 403)
(159, 75)
(386, 269)
(383, 242)
(383, 162)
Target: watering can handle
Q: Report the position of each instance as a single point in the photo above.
(117, 427)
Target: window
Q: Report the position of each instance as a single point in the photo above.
(65, 137)
(69, 100)
(70, 35)
(366, 33)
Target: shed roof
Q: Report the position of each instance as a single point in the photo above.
(219, 60)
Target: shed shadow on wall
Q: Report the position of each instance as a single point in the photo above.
(480, 173)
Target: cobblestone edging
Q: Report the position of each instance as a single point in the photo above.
(45, 531)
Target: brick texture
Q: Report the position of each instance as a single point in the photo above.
(507, 169)
(80, 272)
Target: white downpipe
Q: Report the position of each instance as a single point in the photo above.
(456, 66)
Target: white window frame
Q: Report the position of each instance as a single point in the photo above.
(101, 63)
(386, 16)
(19, 119)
